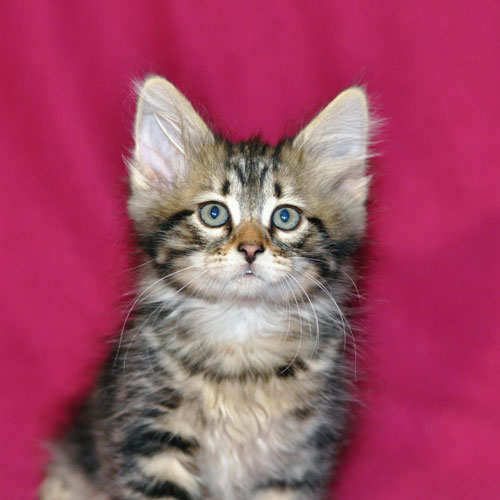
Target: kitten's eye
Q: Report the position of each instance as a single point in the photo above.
(214, 214)
(286, 218)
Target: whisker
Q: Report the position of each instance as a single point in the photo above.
(136, 301)
(353, 283)
(347, 330)
(159, 309)
(300, 335)
(324, 261)
(316, 342)
(285, 294)
(133, 268)
(303, 304)
(210, 280)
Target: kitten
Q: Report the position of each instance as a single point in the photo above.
(231, 382)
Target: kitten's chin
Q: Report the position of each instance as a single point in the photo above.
(247, 286)
(243, 284)
(250, 286)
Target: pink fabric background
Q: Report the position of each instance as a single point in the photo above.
(430, 426)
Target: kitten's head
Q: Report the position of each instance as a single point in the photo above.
(247, 221)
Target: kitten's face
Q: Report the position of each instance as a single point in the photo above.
(255, 254)
(243, 233)
(247, 222)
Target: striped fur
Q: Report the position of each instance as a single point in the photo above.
(231, 380)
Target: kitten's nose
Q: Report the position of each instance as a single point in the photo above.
(251, 250)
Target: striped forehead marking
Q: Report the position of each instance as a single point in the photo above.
(250, 171)
(250, 187)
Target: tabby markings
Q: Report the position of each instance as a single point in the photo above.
(143, 440)
(150, 242)
(161, 489)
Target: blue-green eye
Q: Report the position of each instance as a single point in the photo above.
(214, 214)
(286, 218)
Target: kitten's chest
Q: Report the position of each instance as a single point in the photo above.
(241, 391)
(244, 425)
(232, 462)
(244, 432)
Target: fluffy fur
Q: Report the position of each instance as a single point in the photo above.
(231, 382)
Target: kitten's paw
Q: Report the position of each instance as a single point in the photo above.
(55, 488)
(67, 484)
(277, 495)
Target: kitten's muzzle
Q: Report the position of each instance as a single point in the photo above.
(250, 250)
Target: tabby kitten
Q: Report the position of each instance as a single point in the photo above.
(230, 382)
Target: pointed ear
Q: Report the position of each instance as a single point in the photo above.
(166, 126)
(336, 143)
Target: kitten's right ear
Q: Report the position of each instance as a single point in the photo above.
(166, 125)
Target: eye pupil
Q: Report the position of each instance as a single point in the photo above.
(214, 212)
(284, 215)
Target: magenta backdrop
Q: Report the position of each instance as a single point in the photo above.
(429, 428)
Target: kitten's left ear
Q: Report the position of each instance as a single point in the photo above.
(336, 143)
(166, 126)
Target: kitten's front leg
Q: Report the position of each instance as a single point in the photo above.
(310, 485)
(158, 464)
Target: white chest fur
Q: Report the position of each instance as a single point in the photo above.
(223, 322)
(244, 424)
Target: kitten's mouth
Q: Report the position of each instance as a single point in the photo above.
(249, 274)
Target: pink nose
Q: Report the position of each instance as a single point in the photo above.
(250, 250)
